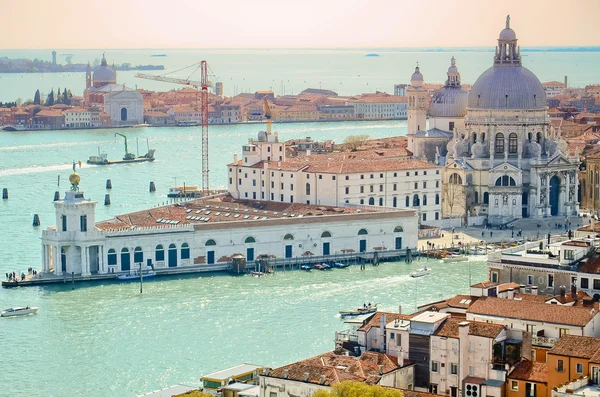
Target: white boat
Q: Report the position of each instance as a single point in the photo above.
(455, 258)
(420, 272)
(361, 311)
(18, 311)
(135, 276)
(184, 191)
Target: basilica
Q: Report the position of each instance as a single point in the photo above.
(502, 160)
(124, 105)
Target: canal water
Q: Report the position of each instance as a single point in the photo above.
(107, 339)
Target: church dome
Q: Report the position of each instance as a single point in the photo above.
(450, 100)
(416, 76)
(104, 74)
(507, 84)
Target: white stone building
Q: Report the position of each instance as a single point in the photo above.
(210, 231)
(380, 107)
(385, 178)
(508, 163)
(79, 118)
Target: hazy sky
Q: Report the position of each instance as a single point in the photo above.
(293, 23)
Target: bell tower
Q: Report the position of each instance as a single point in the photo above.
(88, 76)
(417, 106)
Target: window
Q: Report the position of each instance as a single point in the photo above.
(434, 366)
(437, 199)
(424, 199)
(371, 200)
(455, 179)
(325, 234)
(416, 185)
(512, 143)
(505, 180)
(333, 178)
(347, 177)
(579, 368)
(395, 202)
(112, 257)
(362, 189)
(64, 222)
(585, 283)
(568, 255)
(381, 188)
(210, 243)
(83, 223)
(249, 240)
(282, 186)
(362, 177)
(424, 217)
(550, 280)
(281, 197)
(416, 173)
(307, 188)
(529, 280)
(453, 369)
(395, 187)
(408, 174)
(499, 145)
(514, 385)
(563, 331)
(494, 277)
(416, 200)
(437, 216)
(424, 185)
(560, 366)
(347, 189)
(159, 253)
(320, 176)
(362, 232)
(185, 251)
(451, 126)
(596, 284)
(371, 188)
(407, 202)
(273, 394)
(372, 176)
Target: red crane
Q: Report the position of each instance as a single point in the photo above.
(203, 84)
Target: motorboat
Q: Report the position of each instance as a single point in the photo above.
(340, 265)
(256, 274)
(327, 266)
(184, 191)
(305, 267)
(361, 311)
(420, 272)
(318, 266)
(135, 275)
(19, 311)
(455, 258)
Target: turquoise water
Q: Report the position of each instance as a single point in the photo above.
(101, 340)
(346, 71)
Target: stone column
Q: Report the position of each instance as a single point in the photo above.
(43, 258)
(57, 261)
(505, 148)
(101, 259)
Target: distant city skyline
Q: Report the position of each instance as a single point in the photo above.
(309, 24)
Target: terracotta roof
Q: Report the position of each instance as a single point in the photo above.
(337, 368)
(375, 320)
(448, 328)
(533, 311)
(484, 284)
(576, 346)
(484, 330)
(461, 301)
(220, 209)
(507, 286)
(532, 371)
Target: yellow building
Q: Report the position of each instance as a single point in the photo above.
(572, 358)
(528, 379)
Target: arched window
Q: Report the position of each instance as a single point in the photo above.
(138, 255)
(407, 202)
(505, 180)
(112, 257)
(325, 234)
(307, 188)
(380, 201)
(499, 144)
(395, 202)
(159, 253)
(398, 229)
(185, 251)
(476, 197)
(482, 137)
(512, 143)
(123, 114)
(529, 136)
(362, 232)
(288, 237)
(486, 198)
(424, 199)
(362, 201)
(437, 199)
(538, 138)
(371, 201)
(249, 240)
(416, 201)
(210, 242)
(474, 138)
(455, 179)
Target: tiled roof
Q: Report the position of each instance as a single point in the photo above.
(533, 311)
(337, 368)
(576, 346)
(484, 330)
(531, 371)
(448, 328)
(484, 284)
(507, 286)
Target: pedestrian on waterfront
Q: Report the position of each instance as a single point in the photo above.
(491, 233)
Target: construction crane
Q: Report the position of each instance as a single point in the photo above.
(203, 85)
(128, 156)
(268, 115)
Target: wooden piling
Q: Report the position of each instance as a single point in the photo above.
(108, 184)
(107, 199)
(152, 187)
(36, 220)
(5, 194)
(56, 196)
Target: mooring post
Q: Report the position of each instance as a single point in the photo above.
(107, 199)
(36, 220)
(108, 184)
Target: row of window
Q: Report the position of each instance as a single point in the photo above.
(435, 367)
(333, 177)
(82, 223)
(159, 253)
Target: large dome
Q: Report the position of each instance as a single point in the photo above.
(507, 87)
(103, 74)
(449, 102)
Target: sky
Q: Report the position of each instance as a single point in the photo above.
(76, 24)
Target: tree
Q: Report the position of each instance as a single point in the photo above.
(65, 97)
(37, 98)
(454, 193)
(358, 389)
(50, 99)
(353, 142)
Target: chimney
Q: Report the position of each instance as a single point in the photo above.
(306, 376)
(308, 152)
(235, 158)
(563, 291)
(574, 291)
(285, 373)
(522, 288)
(565, 81)
(381, 370)
(399, 309)
(322, 379)
(534, 290)
(382, 333)
(511, 293)
(400, 357)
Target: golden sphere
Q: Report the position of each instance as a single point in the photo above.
(74, 178)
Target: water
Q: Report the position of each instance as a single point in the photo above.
(345, 71)
(101, 340)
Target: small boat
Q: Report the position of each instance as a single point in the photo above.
(135, 276)
(140, 125)
(184, 191)
(420, 272)
(18, 311)
(256, 274)
(318, 266)
(187, 123)
(327, 266)
(361, 311)
(340, 265)
(455, 258)
(306, 267)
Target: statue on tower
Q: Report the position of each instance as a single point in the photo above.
(508, 22)
(74, 178)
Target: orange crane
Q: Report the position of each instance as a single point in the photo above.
(203, 84)
(268, 115)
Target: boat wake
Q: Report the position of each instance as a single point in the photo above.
(37, 169)
(54, 144)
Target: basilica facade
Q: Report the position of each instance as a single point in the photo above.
(506, 162)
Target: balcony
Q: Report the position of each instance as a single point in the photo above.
(346, 336)
(543, 341)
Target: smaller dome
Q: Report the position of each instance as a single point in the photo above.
(452, 69)
(416, 76)
(449, 101)
(507, 34)
(103, 74)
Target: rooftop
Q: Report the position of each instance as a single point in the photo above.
(375, 320)
(576, 346)
(233, 371)
(531, 371)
